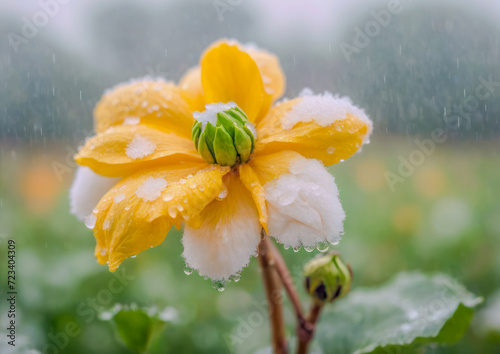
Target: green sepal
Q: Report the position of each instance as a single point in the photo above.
(224, 151)
(204, 150)
(196, 132)
(243, 143)
(223, 119)
(209, 135)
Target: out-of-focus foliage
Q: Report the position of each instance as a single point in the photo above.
(412, 310)
(136, 327)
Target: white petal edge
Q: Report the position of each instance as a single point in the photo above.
(87, 189)
(324, 109)
(220, 252)
(303, 205)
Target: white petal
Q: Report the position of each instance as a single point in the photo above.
(223, 245)
(87, 189)
(304, 206)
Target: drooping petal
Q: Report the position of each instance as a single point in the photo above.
(154, 102)
(138, 212)
(323, 127)
(87, 189)
(125, 149)
(262, 169)
(191, 89)
(229, 74)
(303, 205)
(251, 181)
(226, 234)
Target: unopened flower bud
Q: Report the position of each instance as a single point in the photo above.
(222, 135)
(327, 278)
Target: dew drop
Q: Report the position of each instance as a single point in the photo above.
(90, 221)
(297, 248)
(172, 211)
(168, 197)
(182, 181)
(133, 256)
(106, 224)
(188, 270)
(322, 246)
(201, 188)
(180, 207)
(235, 277)
(219, 285)
(286, 247)
(309, 248)
(223, 194)
(330, 150)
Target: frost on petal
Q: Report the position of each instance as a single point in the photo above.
(210, 112)
(151, 189)
(324, 110)
(119, 198)
(86, 191)
(304, 205)
(228, 236)
(140, 147)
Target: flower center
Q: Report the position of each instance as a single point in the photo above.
(223, 134)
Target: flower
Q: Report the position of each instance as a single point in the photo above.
(142, 173)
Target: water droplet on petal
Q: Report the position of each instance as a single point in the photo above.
(90, 221)
(222, 194)
(322, 246)
(309, 248)
(133, 256)
(235, 277)
(286, 247)
(219, 285)
(172, 211)
(188, 270)
(330, 150)
(297, 248)
(168, 196)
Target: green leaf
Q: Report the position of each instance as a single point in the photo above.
(137, 326)
(413, 309)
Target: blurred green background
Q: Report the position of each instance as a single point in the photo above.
(412, 78)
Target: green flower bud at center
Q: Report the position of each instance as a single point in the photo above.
(327, 278)
(223, 135)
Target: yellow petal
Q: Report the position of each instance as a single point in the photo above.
(322, 127)
(270, 167)
(225, 235)
(269, 66)
(262, 169)
(229, 74)
(154, 102)
(191, 89)
(134, 215)
(270, 69)
(124, 149)
(251, 181)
